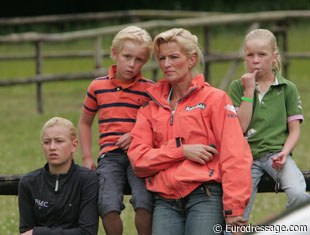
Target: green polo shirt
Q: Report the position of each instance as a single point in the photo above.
(268, 128)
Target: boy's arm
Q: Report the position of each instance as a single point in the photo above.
(85, 134)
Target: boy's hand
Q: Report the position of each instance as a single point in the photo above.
(29, 232)
(89, 163)
(124, 141)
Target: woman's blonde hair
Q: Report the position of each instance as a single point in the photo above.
(134, 34)
(62, 122)
(187, 42)
(267, 35)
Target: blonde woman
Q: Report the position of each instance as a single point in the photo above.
(188, 144)
(61, 197)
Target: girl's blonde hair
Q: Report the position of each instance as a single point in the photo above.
(265, 34)
(185, 40)
(134, 34)
(62, 122)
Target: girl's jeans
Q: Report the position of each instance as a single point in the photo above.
(292, 181)
(196, 214)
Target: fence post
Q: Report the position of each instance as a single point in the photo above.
(38, 56)
(97, 53)
(206, 52)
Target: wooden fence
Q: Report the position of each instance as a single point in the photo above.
(163, 19)
(9, 184)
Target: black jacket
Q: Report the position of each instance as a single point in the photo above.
(59, 204)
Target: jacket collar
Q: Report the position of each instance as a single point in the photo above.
(160, 92)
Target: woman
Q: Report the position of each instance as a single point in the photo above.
(188, 144)
(61, 197)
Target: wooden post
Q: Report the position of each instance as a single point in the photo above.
(98, 52)
(280, 33)
(38, 56)
(206, 52)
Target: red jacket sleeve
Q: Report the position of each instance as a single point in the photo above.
(144, 157)
(235, 158)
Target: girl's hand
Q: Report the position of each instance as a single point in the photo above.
(279, 161)
(248, 81)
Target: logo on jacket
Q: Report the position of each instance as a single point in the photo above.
(197, 106)
(41, 203)
(232, 111)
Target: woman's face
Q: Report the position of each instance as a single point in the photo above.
(174, 64)
(58, 147)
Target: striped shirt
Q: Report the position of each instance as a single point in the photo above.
(116, 104)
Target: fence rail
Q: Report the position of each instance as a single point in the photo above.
(9, 184)
(280, 19)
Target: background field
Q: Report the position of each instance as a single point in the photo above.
(20, 124)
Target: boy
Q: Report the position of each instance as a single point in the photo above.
(117, 97)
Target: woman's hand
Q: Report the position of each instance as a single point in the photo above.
(199, 153)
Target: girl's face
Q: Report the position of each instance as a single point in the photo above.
(174, 64)
(58, 148)
(129, 60)
(258, 55)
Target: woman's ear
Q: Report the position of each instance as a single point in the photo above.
(75, 144)
(192, 61)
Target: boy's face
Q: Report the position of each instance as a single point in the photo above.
(58, 147)
(129, 60)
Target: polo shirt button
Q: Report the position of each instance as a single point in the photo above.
(118, 88)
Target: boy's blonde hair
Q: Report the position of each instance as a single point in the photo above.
(62, 122)
(134, 34)
(267, 35)
(185, 40)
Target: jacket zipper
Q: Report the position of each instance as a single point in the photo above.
(168, 107)
(57, 183)
(173, 112)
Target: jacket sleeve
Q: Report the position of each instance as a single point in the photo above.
(25, 206)
(88, 212)
(144, 157)
(235, 157)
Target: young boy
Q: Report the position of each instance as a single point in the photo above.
(116, 98)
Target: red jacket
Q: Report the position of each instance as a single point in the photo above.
(205, 115)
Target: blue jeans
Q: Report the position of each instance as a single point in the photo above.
(292, 181)
(195, 214)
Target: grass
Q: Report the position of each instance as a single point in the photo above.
(20, 123)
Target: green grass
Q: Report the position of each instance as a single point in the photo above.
(20, 123)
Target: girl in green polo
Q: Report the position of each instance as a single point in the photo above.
(270, 113)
